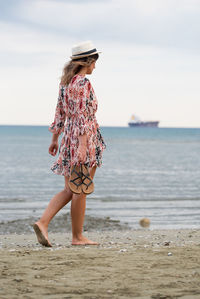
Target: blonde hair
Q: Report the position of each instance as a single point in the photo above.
(74, 66)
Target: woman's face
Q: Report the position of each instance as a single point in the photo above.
(91, 67)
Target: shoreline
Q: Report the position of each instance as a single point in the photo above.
(62, 224)
(127, 264)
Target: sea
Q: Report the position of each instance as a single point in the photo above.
(146, 172)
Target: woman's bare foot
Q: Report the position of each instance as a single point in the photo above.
(83, 241)
(42, 234)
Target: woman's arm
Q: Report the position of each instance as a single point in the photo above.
(83, 113)
(60, 114)
(82, 139)
(82, 147)
(58, 124)
(53, 148)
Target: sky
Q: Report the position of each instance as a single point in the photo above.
(149, 65)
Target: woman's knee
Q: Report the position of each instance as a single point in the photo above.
(79, 197)
(67, 189)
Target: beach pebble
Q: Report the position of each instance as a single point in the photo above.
(166, 243)
(123, 250)
(169, 254)
(111, 242)
(18, 279)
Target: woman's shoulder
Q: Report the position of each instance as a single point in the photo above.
(82, 82)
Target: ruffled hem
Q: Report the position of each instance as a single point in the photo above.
(65, 170)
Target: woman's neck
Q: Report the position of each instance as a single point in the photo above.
(83, 71)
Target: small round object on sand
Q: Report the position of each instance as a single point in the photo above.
(145, 222)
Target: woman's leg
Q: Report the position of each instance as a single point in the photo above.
(56, 203)
(78, 205)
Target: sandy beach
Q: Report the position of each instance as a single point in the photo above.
(128, 263)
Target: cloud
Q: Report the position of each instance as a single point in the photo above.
(27, 47)
(149, 65)
(78, 1)
(163, 23)
(20, 38)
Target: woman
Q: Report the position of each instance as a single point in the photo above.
(82, 142)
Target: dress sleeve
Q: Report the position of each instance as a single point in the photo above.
(84, 106)
(58, 124)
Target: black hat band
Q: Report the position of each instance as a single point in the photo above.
(85, 53)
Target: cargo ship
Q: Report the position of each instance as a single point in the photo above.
(135, 121)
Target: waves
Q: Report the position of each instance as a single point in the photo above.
(145, 173)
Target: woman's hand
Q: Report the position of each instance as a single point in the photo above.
(82, 147)
(54, 144)
(82, 152)
(53, 148)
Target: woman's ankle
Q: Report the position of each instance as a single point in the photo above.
(42, 223)
(77, 236)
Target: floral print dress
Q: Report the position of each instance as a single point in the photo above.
(75, 116)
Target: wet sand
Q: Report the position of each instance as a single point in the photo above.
(61, 224)
(127, 264)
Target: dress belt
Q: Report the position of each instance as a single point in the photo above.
(73, 116)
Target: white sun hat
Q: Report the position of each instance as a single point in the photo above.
(83, 49)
